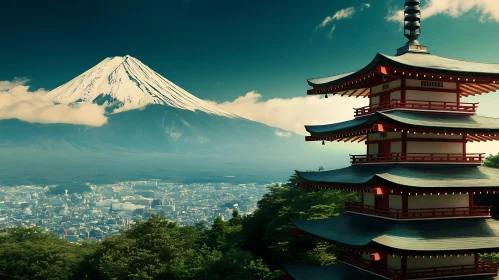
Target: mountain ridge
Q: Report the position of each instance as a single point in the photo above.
(123, 83)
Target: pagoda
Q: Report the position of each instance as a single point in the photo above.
(416, 217)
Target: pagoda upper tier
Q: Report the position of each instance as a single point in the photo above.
(474, 128)
(473, 77)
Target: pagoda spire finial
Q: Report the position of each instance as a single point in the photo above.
(412, 27)
(412, 21)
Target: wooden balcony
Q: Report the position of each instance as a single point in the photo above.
(453, 107)
(447, 271)
(481, 268)
(419, 213)
(418, 158)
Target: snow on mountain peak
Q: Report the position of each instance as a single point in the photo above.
(124, 83)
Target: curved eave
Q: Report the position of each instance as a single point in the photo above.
(413, 121)
(384, 60)
(351, 125)
(345, 77)
(336, 272)
(494, 73)
(411, 236)
(345, 272)
(421, 178)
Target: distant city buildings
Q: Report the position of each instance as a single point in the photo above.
(110, 208)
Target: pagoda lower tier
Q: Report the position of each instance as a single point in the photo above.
(416, 179)
(344, 271)
(426, 249)
(410, 192)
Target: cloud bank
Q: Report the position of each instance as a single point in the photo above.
(18, 102)
(292, 114)
(487, 9)
(340, 15)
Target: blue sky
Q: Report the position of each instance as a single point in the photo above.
(222, 49)
(252, 57)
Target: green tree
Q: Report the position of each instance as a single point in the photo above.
(492, 161)
(236, 218)
(267, 231)
(237, 264)
(29, 253)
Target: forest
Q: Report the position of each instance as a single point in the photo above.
(245, 247)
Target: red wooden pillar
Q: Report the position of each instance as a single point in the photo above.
(403, 266)
(405, 203)
(458, 95)
(477, 260)
(471, 203)
(464, 145)
(402, 90)
(404, 145)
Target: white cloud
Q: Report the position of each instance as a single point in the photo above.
(344, 13)
(487, 108)
(365, 5)
(327, 20)
(282, 133)
(330, 34)
(16, 101)
(487, 9)
(292, 114)
(339, 15)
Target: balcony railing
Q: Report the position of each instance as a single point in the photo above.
(425, 273)
(418, 158)
(480, 268)
(455, 107)
(419, 213)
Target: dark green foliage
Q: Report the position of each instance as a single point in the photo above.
(245, 247)
(267, 230)
(31, 254)
(492, 161)
(486, 199)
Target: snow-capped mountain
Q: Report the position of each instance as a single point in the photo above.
(175, 136)
(125, 83)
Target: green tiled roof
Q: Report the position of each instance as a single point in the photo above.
(418, 62)
(433, 235)
(443, 122)
(408, 176)
(330, 272)
(345, 272)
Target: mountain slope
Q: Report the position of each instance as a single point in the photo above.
(157, 142)
(125, 83)
(156, 130)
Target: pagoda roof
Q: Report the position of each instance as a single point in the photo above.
(414, 120)
(413, 176)
(330, 272)
(346, 272)
(421, 62)
(421, 236)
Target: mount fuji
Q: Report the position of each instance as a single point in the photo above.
(125, 83)
(155, 129)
